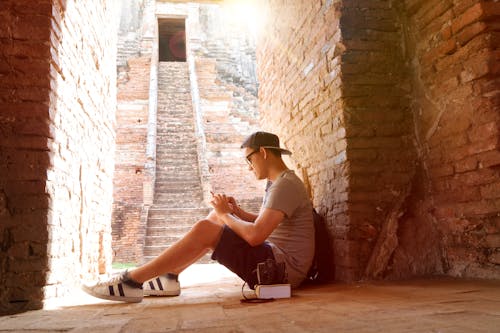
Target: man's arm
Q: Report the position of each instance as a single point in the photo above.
(253, 233)
(239, 212)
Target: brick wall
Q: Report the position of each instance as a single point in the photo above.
(132, 179)
(299, 62)
(131, 137)
(24, 153)
(454, 49)
(57, 131)
(392, 115)
(379, 127)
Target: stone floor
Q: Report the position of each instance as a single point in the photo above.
(210, 302)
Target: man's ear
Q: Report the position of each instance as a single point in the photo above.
(264, 152)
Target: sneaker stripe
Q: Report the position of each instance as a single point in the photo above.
(151, 285)
(111, 290)
(159, 283)
(120, 289)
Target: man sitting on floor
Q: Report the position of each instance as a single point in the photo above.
(282, 231)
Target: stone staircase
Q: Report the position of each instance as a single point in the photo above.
(178, 201)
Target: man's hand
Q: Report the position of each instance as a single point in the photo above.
(221, 204)
(236, 210)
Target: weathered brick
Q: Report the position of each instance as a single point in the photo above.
(483, 132)
(434, 10)
(491, 191)
(467, 164)
(31, 27)
(493, 241)
(476, 67)
(478, 208)
(471, 15)
(434, 54)
(491, 9)
(53, 96)
(489, 158)
(470, 32)
(481, 42)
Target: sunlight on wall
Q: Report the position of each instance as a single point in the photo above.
(244, 12)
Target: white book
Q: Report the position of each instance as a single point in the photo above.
(266, 291)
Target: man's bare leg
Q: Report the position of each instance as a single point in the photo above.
(212, 216)
(204, 235)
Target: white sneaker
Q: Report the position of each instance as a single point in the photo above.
(163, 285)
(117, 288)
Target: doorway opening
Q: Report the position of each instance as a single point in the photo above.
(172, 39)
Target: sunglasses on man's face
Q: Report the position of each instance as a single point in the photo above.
(248, 159)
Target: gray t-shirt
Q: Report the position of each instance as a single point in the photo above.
(292, 241)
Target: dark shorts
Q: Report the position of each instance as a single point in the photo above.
(239, 257)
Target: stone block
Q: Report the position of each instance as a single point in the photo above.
(471, 15)
(493, 241)
(494, 258)
(491, 191)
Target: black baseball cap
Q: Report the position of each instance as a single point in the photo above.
(264, 140)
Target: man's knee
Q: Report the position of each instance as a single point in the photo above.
(212, 216)
(208, 232)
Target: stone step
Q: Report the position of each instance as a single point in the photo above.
(176, 177)
(174, 107)
(176, 155)
(170, 226)
(180, 202)
(171, 176)
(172, 169)
(161, 240)
(179, 119)
(173, 220)
(178, 199)
(169, 172)
(179, 124)
(173, 166)
(157, 210)
(178, 146)
(164, 190)
(168, 196)
(181, 145)
(177, 158)
(187, 178)
(168, 128)
(173, 113)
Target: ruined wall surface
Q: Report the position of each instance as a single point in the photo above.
(131, 134)
(299, 64)
(379, 128)
(24, 153)
(57, 99)
(392, 114)
(134, 56)
(333, 84)
(83, 82)
(453, 47)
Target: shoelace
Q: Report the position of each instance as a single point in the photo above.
(114, 279)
